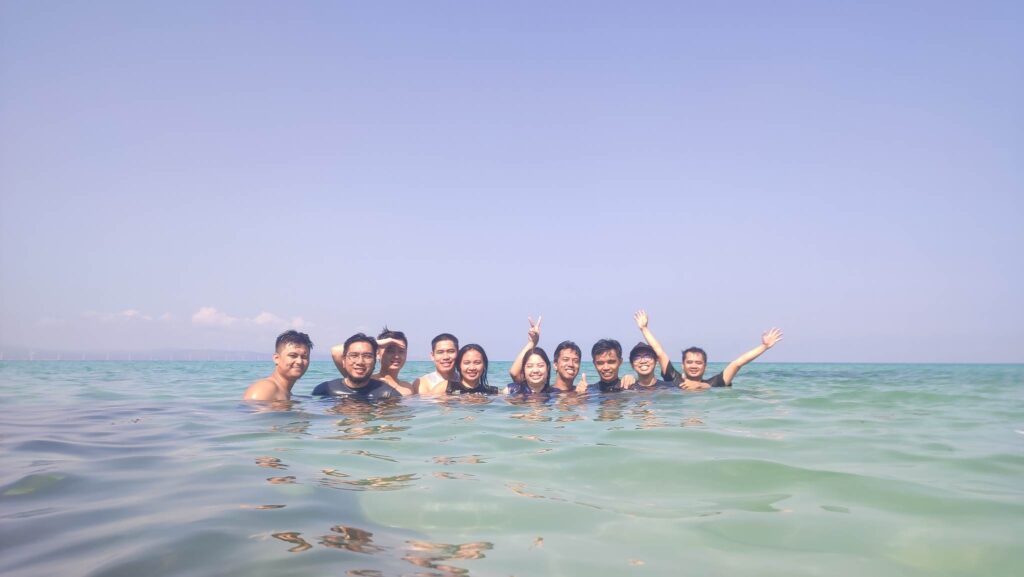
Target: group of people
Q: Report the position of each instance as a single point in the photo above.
(463, 371)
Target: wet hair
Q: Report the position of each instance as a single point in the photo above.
(387, 333)
(540, 353)
(462, 353)
(698, 351)
(604, 345)
(641, 349)
(360, 338)
(294, 338)
(568, 345)
(443, 337)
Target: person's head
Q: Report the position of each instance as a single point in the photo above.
(472, 364)
(536, 369)
(607, 356)
(291, 354)
(359, 357)
(695, 360)
(567, 360)
(443, 350)
(393, 355)
(642, 357)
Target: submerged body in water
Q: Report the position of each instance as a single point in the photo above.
(157, 469)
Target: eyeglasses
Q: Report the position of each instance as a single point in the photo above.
(357, 356)
(643, 357)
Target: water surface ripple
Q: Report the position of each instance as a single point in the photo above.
(153, 468)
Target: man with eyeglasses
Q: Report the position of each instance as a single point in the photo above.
(644, 360)
(358, 359)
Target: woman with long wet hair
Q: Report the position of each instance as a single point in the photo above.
(471, 369)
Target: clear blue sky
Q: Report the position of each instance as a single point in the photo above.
(204, 174)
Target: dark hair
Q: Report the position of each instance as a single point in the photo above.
(639, 349)
(604, 345)
(390, 334)
(568, 345)
(294, 338)
(462, 353)
(539, 352)
(360, 338)
(697, 350)
(443, 337)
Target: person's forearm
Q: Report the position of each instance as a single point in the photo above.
(749, 355)
(337, 355)
(734, 367)
(517, 365)
(663, 358)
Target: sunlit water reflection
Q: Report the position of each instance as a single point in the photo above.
(158, 469)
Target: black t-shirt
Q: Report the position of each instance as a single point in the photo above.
(676, 377)
(457, 388)
(610, 386)
(524, 389)
(372, 391)
(658, 384)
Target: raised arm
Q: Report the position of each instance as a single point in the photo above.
(768, 340)
(532, 338)
(641, 321)
(337, 355)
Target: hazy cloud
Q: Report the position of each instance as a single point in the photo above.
(211, 317)
(125, 315)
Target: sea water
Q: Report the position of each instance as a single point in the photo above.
(151, 468)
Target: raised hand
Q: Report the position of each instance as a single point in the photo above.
(582, 387)
(770, 337)
(640, 317)
(383, 343)
(534, 333)
(628, 381)
(693, 386)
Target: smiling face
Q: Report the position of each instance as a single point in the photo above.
(359, 362)
(607, 365)
(443, 356)
(392, 357)
(292, 361)
(643, 364)
(694, 365)
(471, 368)
(567, 365)
(536, 371)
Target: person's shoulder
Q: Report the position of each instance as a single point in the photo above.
(405, 387)
(261, 390)
(671, 374)
(326, 387)
(718, 381)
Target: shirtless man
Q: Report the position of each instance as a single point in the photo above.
(695, 360)
(392, 348)
(443, 350)
(291, 359)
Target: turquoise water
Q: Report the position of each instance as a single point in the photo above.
(153, 468)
